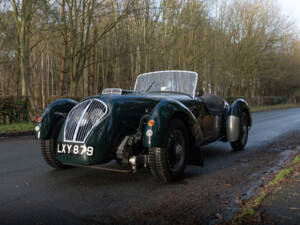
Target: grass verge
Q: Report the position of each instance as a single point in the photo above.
(16, 127)
(272, 107)
(297, 159)
(281, 175)
(249, 210)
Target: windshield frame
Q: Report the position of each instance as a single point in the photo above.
(165, 71)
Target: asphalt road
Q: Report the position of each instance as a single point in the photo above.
(33, 193)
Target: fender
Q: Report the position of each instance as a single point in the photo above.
(162, 113)
(52, 112)
(233, 118)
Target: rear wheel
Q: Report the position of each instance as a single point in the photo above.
(240, 144)
(49, 147)
(168, 163)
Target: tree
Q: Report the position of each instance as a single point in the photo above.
(23, 12)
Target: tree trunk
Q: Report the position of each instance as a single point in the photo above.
(74, 88)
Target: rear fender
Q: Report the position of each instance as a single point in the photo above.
(234, 114)
(162, 113)
(57, 109)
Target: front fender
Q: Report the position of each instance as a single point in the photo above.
(52, 112)
(162, 113)
(233, 118)
(238, 107)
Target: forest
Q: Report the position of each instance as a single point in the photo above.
(55, 48)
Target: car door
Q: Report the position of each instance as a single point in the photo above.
(207, 121)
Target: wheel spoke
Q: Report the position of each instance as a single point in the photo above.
(175, 150)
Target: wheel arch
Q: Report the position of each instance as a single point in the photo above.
(48, 146)
(183, 117)
(234, 113)
(162, 114)
(54, 111)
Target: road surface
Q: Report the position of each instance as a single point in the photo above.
(33, 193)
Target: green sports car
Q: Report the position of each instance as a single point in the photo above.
(158, 125)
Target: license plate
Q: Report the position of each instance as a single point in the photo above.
(75, 149)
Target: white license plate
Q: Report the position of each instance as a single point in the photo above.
(75, 149)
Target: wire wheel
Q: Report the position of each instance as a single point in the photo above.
(175, 150)
(240, 144)
(49, 147)
(167, 163)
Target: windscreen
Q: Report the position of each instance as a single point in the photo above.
(167, 81)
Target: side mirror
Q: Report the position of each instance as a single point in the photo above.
(200, 92)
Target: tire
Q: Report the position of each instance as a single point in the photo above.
(48, 147)
(168, 163)
(240, 144)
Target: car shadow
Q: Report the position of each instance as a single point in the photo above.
(79, 176)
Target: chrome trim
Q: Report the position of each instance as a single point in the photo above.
(217, 125)
(114, 91)
(77, 132)
(132, 162)
(233, 128)
(80, 121)
(73, 125)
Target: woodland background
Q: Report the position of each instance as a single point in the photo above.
(55, 48)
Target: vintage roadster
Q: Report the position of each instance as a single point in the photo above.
(157, 125)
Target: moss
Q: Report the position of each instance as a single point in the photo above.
(259, 200)
(281, 175)
(297, 159)
(250, 209)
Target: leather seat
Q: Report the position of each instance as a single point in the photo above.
(214, 104)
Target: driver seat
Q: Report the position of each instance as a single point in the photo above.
(214, 104)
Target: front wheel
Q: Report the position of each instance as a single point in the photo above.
(240, 144)
(49, 147)
(168, 163)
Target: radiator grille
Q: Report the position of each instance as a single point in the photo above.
(83, 118)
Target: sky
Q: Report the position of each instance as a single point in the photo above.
(291, 8)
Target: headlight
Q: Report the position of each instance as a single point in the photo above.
(37, 128)
(149, 133)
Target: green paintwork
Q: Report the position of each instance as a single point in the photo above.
(163, 112)
(58, 108)
(125, 112)
(124, 116)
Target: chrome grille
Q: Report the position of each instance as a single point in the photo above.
(83, 118)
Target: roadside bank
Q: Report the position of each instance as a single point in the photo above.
(17, 129)
(278, 203)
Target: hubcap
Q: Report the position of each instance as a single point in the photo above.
(175, 150)
(179, 151)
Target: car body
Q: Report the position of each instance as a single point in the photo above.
(156, 125)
